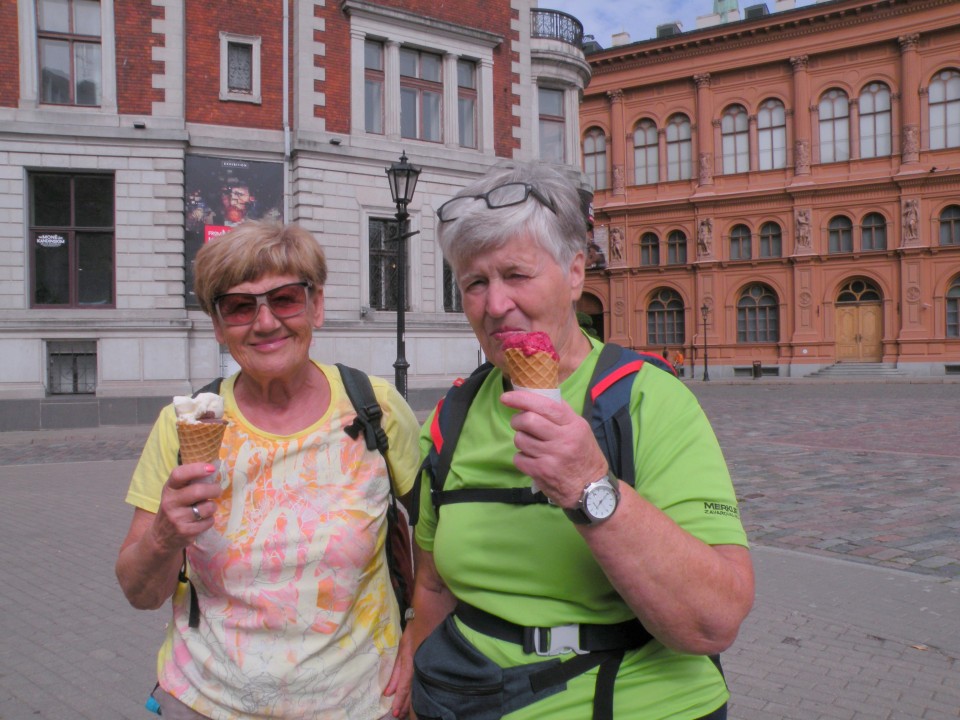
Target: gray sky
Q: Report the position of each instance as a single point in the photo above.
(603, 18)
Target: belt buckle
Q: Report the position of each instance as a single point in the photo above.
(559, 640)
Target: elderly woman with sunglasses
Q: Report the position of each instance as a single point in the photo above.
(297, 617)
(605, 596)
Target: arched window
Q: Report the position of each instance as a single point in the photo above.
(953, 308)
(772, 135)
(740, 243)
(771, 240)
(735, 138)
(595, 158)
(646, 155)
(649, 249)
(834, 127)
(944, 94)
(757, 315)
(665, 318)
(841, 235)
(873, 232)
(950, 225)
(875, 121)
(679, 148)
(676, 248)
(858, 291)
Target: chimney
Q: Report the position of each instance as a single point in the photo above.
(620, 38)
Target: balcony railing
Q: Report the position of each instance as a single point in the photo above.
(556, 25)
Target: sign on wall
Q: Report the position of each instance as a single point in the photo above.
(220, 194)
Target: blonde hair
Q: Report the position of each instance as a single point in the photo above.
(252, 250)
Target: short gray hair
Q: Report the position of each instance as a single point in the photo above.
(562, 234)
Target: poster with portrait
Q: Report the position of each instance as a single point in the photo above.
(220, 194)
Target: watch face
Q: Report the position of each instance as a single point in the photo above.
(600, 502)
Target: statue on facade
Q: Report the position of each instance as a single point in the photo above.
(911, 222)
(616, 244)
(803, 228)
(705, 237)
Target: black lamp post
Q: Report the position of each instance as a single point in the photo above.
(704, 310)
(403, 181)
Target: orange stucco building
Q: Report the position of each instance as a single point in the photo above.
(783, 189)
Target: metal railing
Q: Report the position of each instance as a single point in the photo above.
(556, 25)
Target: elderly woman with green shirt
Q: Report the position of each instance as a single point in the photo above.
(663, 575)
(297, 617)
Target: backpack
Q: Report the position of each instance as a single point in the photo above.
(399, 549)
(606, 407)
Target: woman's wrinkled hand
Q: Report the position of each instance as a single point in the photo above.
(556, 447)
(401, 678)
(186, 506)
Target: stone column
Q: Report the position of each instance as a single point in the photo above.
(910, 99)
(754, 143)
(854, 128)
(662, 169)
(617, 140)
(801, 104)
(704, 135)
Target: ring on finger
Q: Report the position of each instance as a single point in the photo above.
(196, 513)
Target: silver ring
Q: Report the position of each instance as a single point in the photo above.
(196, 513)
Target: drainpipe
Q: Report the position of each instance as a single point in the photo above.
(287, 169)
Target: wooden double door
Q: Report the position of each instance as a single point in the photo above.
(859, 332)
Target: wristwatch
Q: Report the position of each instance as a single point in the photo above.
(598, 501)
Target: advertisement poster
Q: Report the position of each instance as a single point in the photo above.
(220, 194)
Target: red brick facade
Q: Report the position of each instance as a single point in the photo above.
(135, 42)
(9, 57)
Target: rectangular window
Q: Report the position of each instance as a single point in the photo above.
(421, 91)
(72, 240)
(373, 87)
(239, 68)
(69, 44)
(383, 237)
(552, 124)
(452, 300)
(467, 102)
(72, 367)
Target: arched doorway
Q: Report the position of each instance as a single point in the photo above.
(859, 322)
(592, 309)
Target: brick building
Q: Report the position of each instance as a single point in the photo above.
(782, 189)
(131, 132)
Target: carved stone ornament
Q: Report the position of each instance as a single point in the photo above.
(803, 228)
(705, 238)
(702, 80)
(800, 62)
(618, 185)
(801, 150)
(616, 246)
(618, 308)
(913, 294)
(911, 142)
(908, 42)
(805, 298)
(706, 163)
(911, 222)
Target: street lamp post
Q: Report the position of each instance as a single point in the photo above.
(403, 182)
(704, 310)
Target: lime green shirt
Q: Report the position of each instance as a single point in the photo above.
(529, 565)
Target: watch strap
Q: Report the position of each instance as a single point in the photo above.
(577, 515)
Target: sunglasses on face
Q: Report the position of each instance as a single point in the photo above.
(286, 301)
(502, 196)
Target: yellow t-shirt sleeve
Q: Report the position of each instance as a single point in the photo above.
(402, 430)
(157, 461)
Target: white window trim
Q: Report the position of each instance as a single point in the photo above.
(255, 43)
(30, 59)
(394, 28)
(414, 279)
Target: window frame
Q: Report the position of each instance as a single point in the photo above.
(421, 88)
(839, 149)
(666, 318)
(741, 242)
(549, 120)
(759, 321)
(949, 226)
(452, 298)
(467, 97)
(72, 39)
(646, 153)
(373, 77)
(771, 243)
(649, 250)
(383, 259)
(952, 300)
(946, 133)
(677, 247)
(75, 350)
(840, 235)
(735, 140)
(870, 117)
(679, 148)
(771, 135)
(873, 235)
(595, 157)
(227, 93)
(72, 236)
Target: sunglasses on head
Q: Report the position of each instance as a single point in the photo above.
(286, 301)
(512, 193)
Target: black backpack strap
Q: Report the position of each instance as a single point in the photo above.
(369, 412)
(211, 387)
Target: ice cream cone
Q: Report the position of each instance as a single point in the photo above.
(200, 441)
(536, 371)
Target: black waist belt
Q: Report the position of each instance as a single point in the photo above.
(547, 641)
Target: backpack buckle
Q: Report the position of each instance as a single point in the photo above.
(550, 641)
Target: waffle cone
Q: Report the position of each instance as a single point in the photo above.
(537, 371)
(200, 442)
